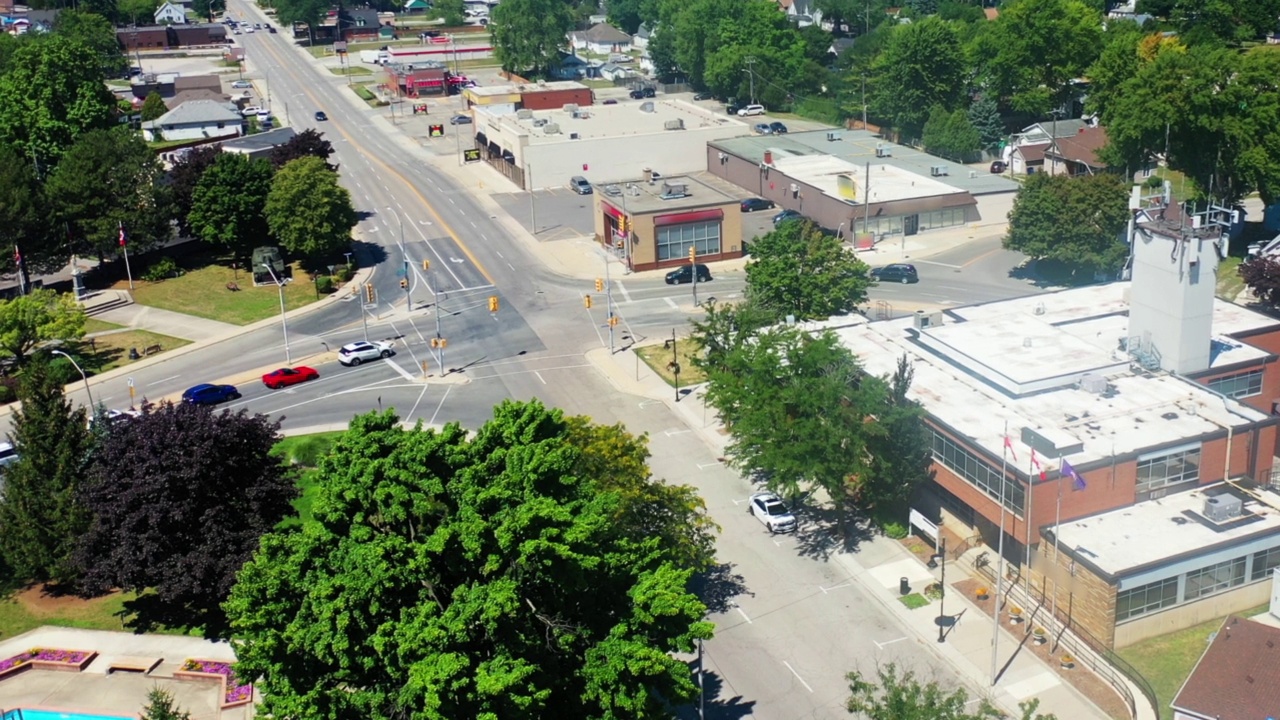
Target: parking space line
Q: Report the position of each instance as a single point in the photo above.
(743, 614)
(888, 642)
(793, 672)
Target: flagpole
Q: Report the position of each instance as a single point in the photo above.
(125, 247)
(1031, 482)
(995, 606)
(1057, 521)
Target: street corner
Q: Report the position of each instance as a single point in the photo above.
(626, 372)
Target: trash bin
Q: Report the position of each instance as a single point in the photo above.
(904, 586)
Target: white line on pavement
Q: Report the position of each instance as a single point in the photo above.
(672, 303)
(743, 614)
(837, 587)
(793, 672)
(623, 289)
(882, 645)
(432, 421)
(415, 403)
(942, 264)
(399, 369)
(704, 466)
(495, 252)
(669, 433)
(535, 372)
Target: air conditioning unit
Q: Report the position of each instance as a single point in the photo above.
(938, 170)
(551, 128)
(571, 108)
(921, 320)
(646, 106)
(1092, 383)
(676, 124)
(573, 136)
(524, 113)
(539, 122)
(883, 152)
(1222, 508)
(674, 190)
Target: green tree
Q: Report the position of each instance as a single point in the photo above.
(228, 207)
(984, 116)
(37, 317)
(894, 696)
(41, 516)
(50, 94)
(307, 12)
(136, 10)
(921, 67)
(184, 177)
(626, 15)
(901, 454)
(1035, 48)
(950, 135)
(24, 213)
(153, 107)
(98, 34)
(1117, 62)
(307, 211)
(109, 179)
(799, 270)
(480, 552)
(453, 12)
(1216, 21)
(161, 706)
(528, 34)
(1073, 220)
(206, 9)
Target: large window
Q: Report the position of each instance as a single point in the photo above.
(879, 226)
(1215, 578)
(1147, 598)
(973, 469)
(1264, 562)
(1182, 465)
(946, 217)
(1239, 385)
(674, 240)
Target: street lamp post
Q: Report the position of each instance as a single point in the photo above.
(82, 376)
(284, 322)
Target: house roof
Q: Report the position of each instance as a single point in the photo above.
(360, 17)
(1032, 153)
(603, 34)
(199, 94)
(260, 141)
(840, 45)
(166, 7)
(991, 13)
(1081, 148)
(197, 82)
(1062, 128)
(1238, 676)
(199, 111)
(644, 32)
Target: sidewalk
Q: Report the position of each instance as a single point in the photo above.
(124, 311)
(878, 565)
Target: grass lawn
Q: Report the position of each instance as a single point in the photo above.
(476, 64)
(351, 70)
(94, 325)
(914, 601)
(1229, 283)
(29, 609)
(598, 84)
(657, 357)
(203, 292)
(107, 352)
(1166, 661)
(305, 451)
(366, 95)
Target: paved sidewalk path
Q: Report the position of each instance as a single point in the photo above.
(168, 322)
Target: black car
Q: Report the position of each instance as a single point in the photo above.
(898, 272)
(683, 274)
(777, 128)
(703, 96)
(637, 94)
(320, 116)
(786, 215)
(754, 204)
(731, 109)
(649, 92)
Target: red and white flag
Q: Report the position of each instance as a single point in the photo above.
(17, 256)
(122, 239)
(1008, 444)
(1036, 464)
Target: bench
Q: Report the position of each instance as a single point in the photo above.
(152, 350)
(233, 287)
(131, 663)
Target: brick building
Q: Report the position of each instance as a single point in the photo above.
(653, 223)
(532, 96)
(416, 79)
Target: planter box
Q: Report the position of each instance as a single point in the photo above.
(226, 702)
(60, 659)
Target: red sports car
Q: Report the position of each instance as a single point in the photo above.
(288, 376)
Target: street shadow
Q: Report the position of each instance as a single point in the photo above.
(825, 531)
(1052, 273)
(717, 706)
(368, 254)
(362, 215)
(718, 587)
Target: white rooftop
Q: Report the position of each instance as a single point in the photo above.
(1022, 362)
(1158, 530)
(888, 183)
(521, 88)
(625, 119)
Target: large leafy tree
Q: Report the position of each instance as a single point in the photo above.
(98, 34)
(1118, 61)
(799, 270)
(307, 12)
(1074, 220)
(308, 143)
(308, 212)
(505, 586)
(1217, 21)
(180, 497)
(107, 180)
(228, 206)
(901, 455)
(528, 34)
(1035, 47)
(950, 135)
(137, 10)
(207, 8)
(25, 215)
(37, 317)
(153, 107)
(184, 177)
(41, 515)
(51, 93)
(896, 695)
(921, 67)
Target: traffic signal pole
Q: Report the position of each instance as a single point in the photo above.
(608, 300)
(693, 267)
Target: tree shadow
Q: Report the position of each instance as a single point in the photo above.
(718, 587)
(149, 613)
(821, 533)
(718, 705)
(368, 254)
(1045, 273)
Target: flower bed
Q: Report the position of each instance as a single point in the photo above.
(234, 694)
(47, 659)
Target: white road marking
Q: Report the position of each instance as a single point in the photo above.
(647, 403)
(403, 373)
(513, 267)
(535, 372)
(495, 252)
(172, 377)
(669, 433)
(837, 587)
(704, 466)
(888, 642)
(415, 403)
(793, 672)
(672, 303)
(743, 614)
(623, 289)
(942, 264)
(432, 421)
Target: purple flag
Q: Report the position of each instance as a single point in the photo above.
(1077, 480)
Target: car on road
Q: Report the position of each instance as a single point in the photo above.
(284, 377)
(754, 204)
(769, 509)
(363, 351)
(761, 129)
(786, 215)
(257, 26)
(897, 272)
(749, 110)
(271, 29)
(113, 417)
(610, 101)
(320, 116)
(248, 28)
(998, 167)
(236, 31)
(636, 94)
(732, 109)
(579, 184)
(460, 120)
(251, 111)
(703, 96)
(207, 394)
(239, 84)
(777, 128)
(683, 274)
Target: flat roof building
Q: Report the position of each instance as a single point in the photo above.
(542, 95)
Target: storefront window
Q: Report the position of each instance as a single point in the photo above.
(674, 241)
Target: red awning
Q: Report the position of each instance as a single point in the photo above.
(689, 217)
(612, 211)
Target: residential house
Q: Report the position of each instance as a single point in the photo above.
(601, 39)
(839, 46)
(42, 20)
(197, 82)
(613, 71)
(570, 67)
(416, 6)
(258, 145)
(170, 13)
(1077, 154)
(1043, 132)
(359, 23)
(1027, 159)
(802, 12)
(201, 94)
(195, 120)
(641, 38)
(1237, 677)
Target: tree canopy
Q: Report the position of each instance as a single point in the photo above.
(307, 211)
(950, 135)
(98, 33)
(505, 586)
(228, 205)
(184, 177)
(179, 498)
(308, 143)
(1075, 220)
(799, 270)
(24, 215)
(36, 317)
(896, 695)
(528, 35)
(922, 67)
(1034, 48)
(153, 107)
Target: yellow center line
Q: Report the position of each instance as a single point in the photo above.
(422, 198)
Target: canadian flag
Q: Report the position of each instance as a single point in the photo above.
(1008, 443)
(1036, 464)
(122, 238)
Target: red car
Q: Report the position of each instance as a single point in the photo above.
(288, 376)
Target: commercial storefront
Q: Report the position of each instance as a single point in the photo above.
(654, 225)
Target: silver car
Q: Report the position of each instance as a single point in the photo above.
(769, 509)
(579, 184)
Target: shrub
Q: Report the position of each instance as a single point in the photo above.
(895, 530)
(344, 273)
(308, 452)
(324, 284)
(162, 269)
(6, 394)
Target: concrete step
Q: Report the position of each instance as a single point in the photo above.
(101, 302)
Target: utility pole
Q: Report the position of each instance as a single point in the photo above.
(693, 268)
(533, 210)
(751, 73)
(864, 101)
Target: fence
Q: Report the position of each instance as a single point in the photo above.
(1088, 650)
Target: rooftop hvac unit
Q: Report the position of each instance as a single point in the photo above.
(1222, 508)
(524, 113)
(674, 190)
(551, 128)
(539, 122)
(833, 136)
(676, 124)
(571, 108)
(922, 320)
(1092, 383)
(883, 152)
(973, 174)
(646, 107)
(573, 136)
(938, 170)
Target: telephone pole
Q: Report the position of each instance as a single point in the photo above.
(751, 73)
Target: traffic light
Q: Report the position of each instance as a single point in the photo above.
(493, 303)
(599, 285)
(426, 264)
(613, 320)
(586, 301)
(368, 292)
(622, 226)
(693, 254)
(404, 284)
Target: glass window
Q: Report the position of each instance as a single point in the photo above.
(1264, 562)
(978, 473)
(1160, 471)
(674, 240)
(946, 217)
(1239, 385)
(1215, 578)
(880, 226)
(1147, 598)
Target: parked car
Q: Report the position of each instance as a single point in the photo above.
(240, 84)
(897, 272)
(649, 92)
(460, 120)
(731, 109)
(360, 351)
(786, 215)
(236, 31)
(579, 184)
(109, 418)
(754, 204)
(684, 274)
(761, 129)
(703, 96)
(206, 394)
(998, 166)
(769, 509)
(251, 111)
(751, 110)
(636, 94)
(610, 101)
(320, 116)
(777, 128)
(257, 26)
(285, 377)
(248, 29)
(271, 29)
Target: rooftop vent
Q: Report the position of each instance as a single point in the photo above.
(539, 122)
(676, 124)
(1222, 508)
(1091, 383)
(524, 113)
(551, 128)
(883, 151)
(673, 190)
(833, 136)
(571, 108)
(938, 170)
(573, 136)
(646, 107)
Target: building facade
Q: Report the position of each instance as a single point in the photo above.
(416, 79)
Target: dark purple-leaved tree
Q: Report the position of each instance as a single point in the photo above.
(179, 498)
(307, 143)
(1262, 275)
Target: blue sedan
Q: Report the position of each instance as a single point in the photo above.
(206, 394)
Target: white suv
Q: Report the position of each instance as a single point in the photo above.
(769, 509)
(358, 352)
(751, 110)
